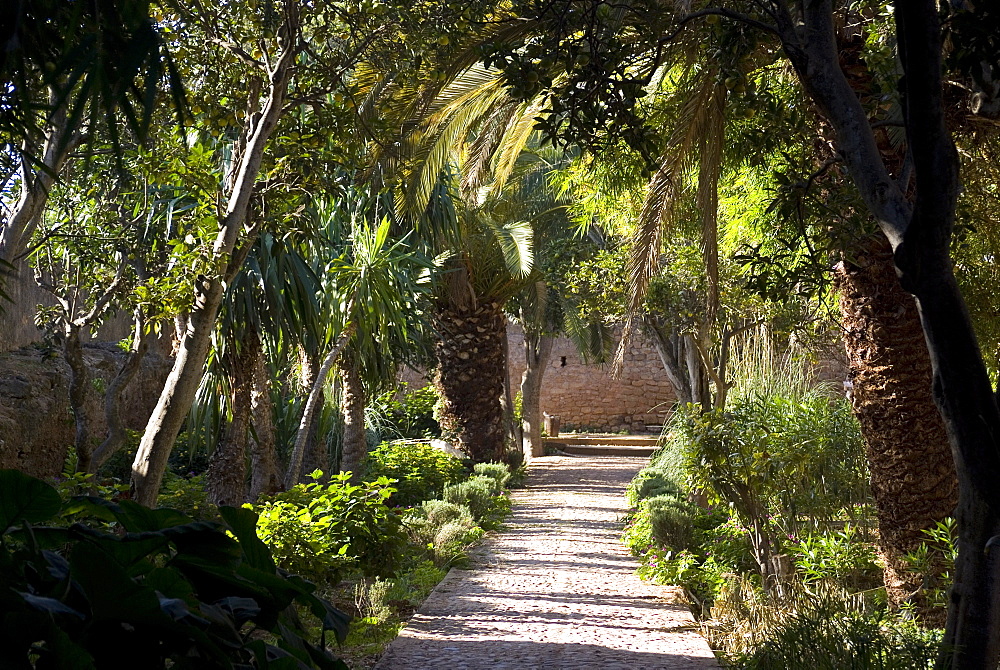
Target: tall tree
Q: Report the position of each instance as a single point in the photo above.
(227, 253)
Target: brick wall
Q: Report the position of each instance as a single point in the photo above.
(586, 396)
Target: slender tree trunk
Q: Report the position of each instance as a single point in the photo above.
(912, 470)
(514, 430)
(265, 478)
(672, 360)
(116, 435)
(313, 402)
(182, 383)
(79, 380)
(537, 349)
(470, 376)
(355, 444)
(18, 228)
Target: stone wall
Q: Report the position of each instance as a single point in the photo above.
(36, 425)
(587, 397)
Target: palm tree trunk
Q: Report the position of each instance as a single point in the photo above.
(265, 478)
(912, 470)
(470, 375)
(354, 445)
(537, 349)
(228, 466)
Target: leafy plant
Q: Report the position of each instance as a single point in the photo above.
(499, 472)
(825, 631)
(411, 416)
(321, 530)
(445, 528)
(481, 495)
(161, 590)
(421, 471)
(839, 556)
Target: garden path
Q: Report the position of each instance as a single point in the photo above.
(555, 590)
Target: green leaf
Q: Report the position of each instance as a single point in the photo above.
(243, 523)
(24, 498)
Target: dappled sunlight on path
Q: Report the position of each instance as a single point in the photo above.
(555, 590)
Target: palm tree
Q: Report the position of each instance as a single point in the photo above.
(272, 300)
(370, 287)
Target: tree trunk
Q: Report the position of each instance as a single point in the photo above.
(116, 435)
(912, 470)
(515, 432)
(537, 348)
(354, 448)
(182, 383)
(17, 229)
(79, 380)
(470, 375)
(313, 402)
(227, 468)
(672, 358)
(265, 478)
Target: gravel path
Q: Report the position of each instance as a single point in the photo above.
(555, 590)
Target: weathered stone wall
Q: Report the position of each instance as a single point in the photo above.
(586, 396)
(36, 425)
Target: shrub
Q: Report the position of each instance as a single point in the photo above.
(165, 592)
(440, 512)
(445, 528)
(652, 482)
(825, 631)
(476, 493)
(188, 495)
(497, 471)
(421, 471)
(412, 415)
(837, 556)
(322, 530)
(671, 521)
(451, 541)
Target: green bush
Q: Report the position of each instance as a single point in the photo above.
(445, 528)
(825, 634)
(161, 590)
(497, 471)
(482, 497)
(838, 556)
(421, 471)
(652, 482)
(440, 512)
(672, 521)
(412, 415)
(322, 530)
(188, 495)
(451, 541)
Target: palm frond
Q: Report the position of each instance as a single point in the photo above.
(664, 187)
(709, 170)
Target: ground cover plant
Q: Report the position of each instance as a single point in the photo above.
(761, 512)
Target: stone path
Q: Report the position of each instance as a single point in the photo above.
(555, 590)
